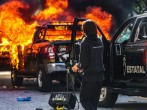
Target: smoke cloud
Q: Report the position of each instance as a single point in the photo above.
(120, 9)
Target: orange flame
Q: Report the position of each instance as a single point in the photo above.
(14, 28)
(19, 33)
(55, 11)
(102, 18)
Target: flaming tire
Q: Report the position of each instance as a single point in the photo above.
(44, 81)
(15, 79)
(107, 98)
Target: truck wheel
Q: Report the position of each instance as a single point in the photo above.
(107, 99)
(44, 81)
(15, 79)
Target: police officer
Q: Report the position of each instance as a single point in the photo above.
(91, 66)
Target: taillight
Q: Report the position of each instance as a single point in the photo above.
(51, 53)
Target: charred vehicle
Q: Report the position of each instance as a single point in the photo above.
(125, 59)
(39, 59)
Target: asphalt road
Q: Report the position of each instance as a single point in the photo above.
(9, 94)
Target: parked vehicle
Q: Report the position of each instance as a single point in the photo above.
(125, 59)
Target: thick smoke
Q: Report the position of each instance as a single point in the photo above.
(27, 13)
(120, 9)
(2, 1)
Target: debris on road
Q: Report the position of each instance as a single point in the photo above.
(24, 99)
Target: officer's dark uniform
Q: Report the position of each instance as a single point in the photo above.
(91, 60)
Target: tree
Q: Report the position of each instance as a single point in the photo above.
(140, 6)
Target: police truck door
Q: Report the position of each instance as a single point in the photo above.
(134, 58)
(118, 55)
(129, 47)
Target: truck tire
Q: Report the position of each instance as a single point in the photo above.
(15, 79)
(44, 81)
(107, 98)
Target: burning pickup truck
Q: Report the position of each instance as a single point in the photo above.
(39, 58)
